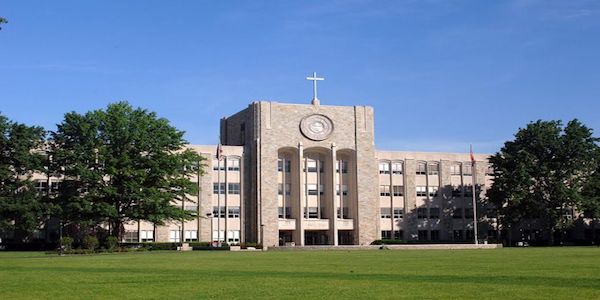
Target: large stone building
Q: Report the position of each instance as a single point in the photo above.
(311, 175)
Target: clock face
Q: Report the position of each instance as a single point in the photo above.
(316, 127)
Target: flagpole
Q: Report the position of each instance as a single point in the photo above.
(473, 172)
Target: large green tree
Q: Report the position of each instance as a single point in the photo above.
(542, 172)
(2, 21)
(22, 208)
(121, 164)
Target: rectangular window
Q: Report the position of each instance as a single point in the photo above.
(280, 165)
(398, 212)
(191, 208)
(312, 189)
(174, 236)
(489, 171)
(397, 168)
(191, 235)
(41, 186)
(313, 212)
(54, 186)
(147, 235)
(384, 168)
(457, 191)
(434, 213)
(218, 212)
(398, 190)
(311, 166)
(468, 213)
(421, 168)
(455, 169)
(343, 210)
(457, 213)
(219, 235)
(433, 169)
(131, 236)
(458, 235)
(233, 212)
(280, 212)
(421, 191)
(386, 213)
(422, 235)
(233, 164)
(344, 166)
(344, 189)
(468, 191)
(218, 165)
(219, 188)
(321, 189)
(233, 236)
(234, 188)
(422, 213)
(399, 234)
(434, 235)
(288, 189)
(386, 234)
(384, 190)
(467, 169)
(433, 191)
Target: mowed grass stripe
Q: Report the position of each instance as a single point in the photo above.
(503, 273)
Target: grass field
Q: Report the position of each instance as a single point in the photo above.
(502, 273)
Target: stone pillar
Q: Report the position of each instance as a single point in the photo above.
(333, 233)
(302, 196)
(410, 200)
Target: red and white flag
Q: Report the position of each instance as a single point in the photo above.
(472, 156)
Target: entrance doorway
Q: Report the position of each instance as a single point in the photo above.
(316, 238)
(346, 237)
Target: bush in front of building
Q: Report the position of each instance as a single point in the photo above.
(90, 242)
(66, 243)
(111, 243)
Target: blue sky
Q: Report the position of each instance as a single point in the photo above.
(440, 74)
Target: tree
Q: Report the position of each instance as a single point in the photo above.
(121, 164)
(22, 208)
(541, 174)
(2, 21)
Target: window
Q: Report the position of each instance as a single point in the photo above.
(469, 235)
(147, 235)
(311, 165)
(219, 188)
(218, 165)
(280, 212)
(397, 168)
(434, 213)
(421, 213)
(191, 208)
(468, 191)
(398, 212)
(288, 189)
(386, 234)
(458, 235)
(384, 190)
(41, 186)
(399, 234)
(398, 190)
(218, 235)
(285, 214)
(312, 189)
(233, 236)
(321, 189)
(281, 162)
(489, 170)
(386, 213)
(218, 212)
(344, 166)
(191, 235)
(468, 213)
(233, 212)
(422, 235)
(234, 188)
(421, 191)
(433, 191)
(174, 236)
(433, 169)
(421, 168)
(344, 189)
(455, 169)
(343, 210)
(457, 191)
(54, 186)
(131, 236)
(434, 235)
(313, 212)
(467, 169)
(233, 164)
(384, 168)
(457, 213)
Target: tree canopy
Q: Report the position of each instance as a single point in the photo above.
(2, 21)
(121, 164)
(542, 173)
(22, 208)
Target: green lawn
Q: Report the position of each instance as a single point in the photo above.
(503, 273)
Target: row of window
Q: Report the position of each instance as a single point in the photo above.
(396, 168)
(230, 164)
(232, 211)
(313, 212)
(425, 213)
(233, 188)
(428, 235)
(386, 212)
(131, 236)
(312, 165)
(233, 236)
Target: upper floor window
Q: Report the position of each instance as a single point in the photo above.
(288, 189)
(433, 169)
(384, 190)
(398, 212)
(455, 169)
(234, 188)
(489, 171)
(397, 168)
(218, 188)
(311, 165)
(314, 189)
(467, 169)
(233, 164)
(386, 213)
(422, 213)
(218, 165)
(398, 190)
(434, 213)
(433, 191)
(384, 168)
(281, 163)
(233, 212)
(421, 191)
(344, 165)
(421, 168)
(344, 189)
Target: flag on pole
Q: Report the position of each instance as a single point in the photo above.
(472, 156)
(219, 151)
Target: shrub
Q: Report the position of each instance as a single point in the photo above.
(112, 243)
(66, 242)
(246, 245)
(90, 242)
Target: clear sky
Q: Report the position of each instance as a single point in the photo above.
(440, 74)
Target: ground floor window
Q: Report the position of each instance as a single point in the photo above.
(399, 234)
(131, 236)
(458, 235)
(191, 235)
(422, 235)
(386, 234)
(174, 236)
(147, 235)
(233, 236)
(218, 235)
(434, 235)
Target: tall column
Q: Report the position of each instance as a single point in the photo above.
(302, 198)
(333, 233)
